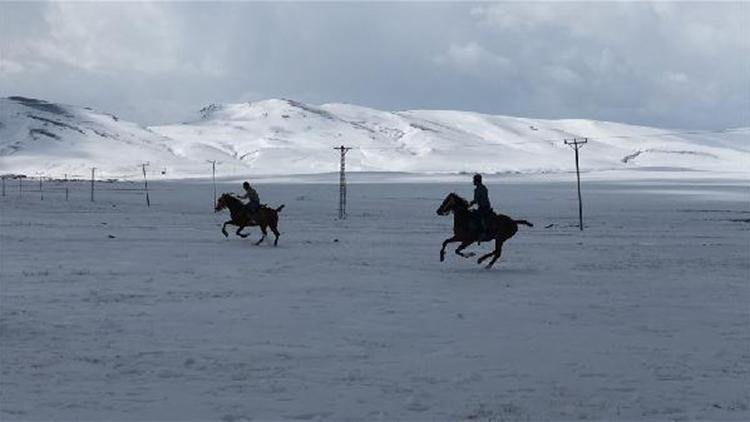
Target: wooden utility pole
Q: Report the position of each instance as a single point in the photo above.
(342, 181)
(93, 169)
(41, 190)
(576, 144)
(145, 183)
(3, 185)
(213, 178)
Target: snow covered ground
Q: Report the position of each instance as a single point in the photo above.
(114, 311)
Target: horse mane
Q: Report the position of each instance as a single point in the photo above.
(229, 196)
(463, 201)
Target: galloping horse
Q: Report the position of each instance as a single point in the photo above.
(264, 217)
(501, 228)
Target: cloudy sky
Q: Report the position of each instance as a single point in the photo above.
(679, 65)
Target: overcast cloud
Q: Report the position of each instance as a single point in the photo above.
(664, 64)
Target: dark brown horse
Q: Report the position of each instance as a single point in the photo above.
(500, 228)
(265, 217)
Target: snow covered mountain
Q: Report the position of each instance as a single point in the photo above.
(289, 137)
(39, 137)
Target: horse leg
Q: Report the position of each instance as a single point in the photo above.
(242, 235)
(445, 243)
(224, 228)
(277, 234)
(497, 253)
(263, 229)
(485, 256)
(461, 247)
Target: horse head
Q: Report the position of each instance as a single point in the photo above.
(452, 202)
(222, 202)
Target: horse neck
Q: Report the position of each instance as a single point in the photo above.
(460, 212)
(234, 204)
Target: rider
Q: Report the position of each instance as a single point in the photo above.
(481, 198)
(253, 201)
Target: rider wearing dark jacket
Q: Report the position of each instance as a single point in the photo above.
(482, 199)
(253, 201)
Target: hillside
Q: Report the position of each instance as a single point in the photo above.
(289, 137)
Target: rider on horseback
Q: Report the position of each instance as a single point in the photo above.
(481, 198)
(253, 203)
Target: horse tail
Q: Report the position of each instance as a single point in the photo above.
(524, 222)
(280, 208)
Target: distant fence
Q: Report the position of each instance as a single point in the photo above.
(56, 189)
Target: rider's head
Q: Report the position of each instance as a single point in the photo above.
(477, 179)
(246, 185)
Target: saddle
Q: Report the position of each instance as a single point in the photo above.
(481, 224)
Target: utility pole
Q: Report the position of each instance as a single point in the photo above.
(213, 177)
(145, 183)
(576, 144)
(93, 169)
(342, 181)
(3, 185)
(41, 191)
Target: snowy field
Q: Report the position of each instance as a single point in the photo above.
(114, 311)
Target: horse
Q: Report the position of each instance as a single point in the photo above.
(264, 217)
(501, 228)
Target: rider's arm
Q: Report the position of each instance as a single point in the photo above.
(476, 197)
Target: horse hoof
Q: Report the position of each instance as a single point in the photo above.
(225, 234)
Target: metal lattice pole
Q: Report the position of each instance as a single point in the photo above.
(93, 169)
(145, 183)
(576, 144)
(342, 181)
(213, 178)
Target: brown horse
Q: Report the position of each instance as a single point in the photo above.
(500, 228)
(265, 217)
